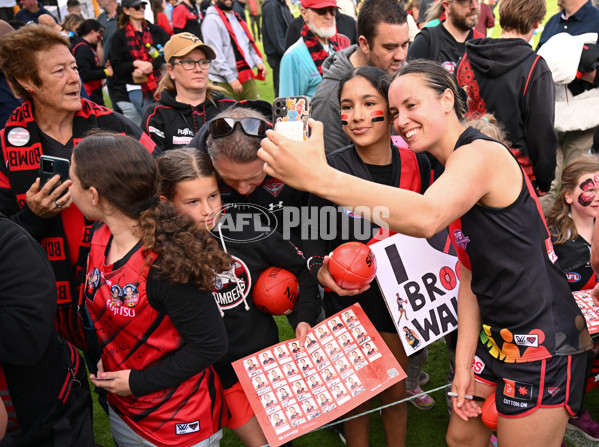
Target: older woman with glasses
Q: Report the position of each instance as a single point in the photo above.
(186, 99)
(136, 57)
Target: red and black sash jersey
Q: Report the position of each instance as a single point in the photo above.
(66, 236)
(133, 335)
(527, 310)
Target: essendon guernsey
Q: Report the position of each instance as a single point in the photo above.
(133, 335)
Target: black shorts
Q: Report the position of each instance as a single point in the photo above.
(522, 388)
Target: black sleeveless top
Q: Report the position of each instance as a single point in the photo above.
(527, 310)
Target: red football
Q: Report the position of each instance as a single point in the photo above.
(489, 414)
(276, 291)
(352, 265)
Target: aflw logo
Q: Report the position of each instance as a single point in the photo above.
(190, 427)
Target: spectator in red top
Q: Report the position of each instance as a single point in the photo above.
(486, 19)
(160, 17)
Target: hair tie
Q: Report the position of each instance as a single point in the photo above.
(151, 201)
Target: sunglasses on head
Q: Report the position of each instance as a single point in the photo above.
(322, 11)
(253, 127)
(139, 7)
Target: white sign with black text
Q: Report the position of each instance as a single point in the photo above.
(420, 283)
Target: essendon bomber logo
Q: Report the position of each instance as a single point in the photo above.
(233, 286)
(273, 186)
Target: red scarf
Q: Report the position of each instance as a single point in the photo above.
(318, 53)
(244, 71)
(139, 51)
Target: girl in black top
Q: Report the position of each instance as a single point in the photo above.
(366, 121)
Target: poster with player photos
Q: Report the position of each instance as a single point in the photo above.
(295, 390)
(420, 283)
(588, 309)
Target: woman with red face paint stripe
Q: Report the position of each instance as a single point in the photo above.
(371, 156)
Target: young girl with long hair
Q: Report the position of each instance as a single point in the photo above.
(188, 180)
(571, 221)
(367, 123)
(149, 275)
(516, 313)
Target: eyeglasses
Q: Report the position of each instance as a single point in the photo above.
(139, 7)
(253, 127)
(189, 64)
(322, 11)
(467, 2)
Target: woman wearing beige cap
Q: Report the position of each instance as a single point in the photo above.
(186, 99)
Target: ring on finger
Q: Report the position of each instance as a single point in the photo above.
(57, 204)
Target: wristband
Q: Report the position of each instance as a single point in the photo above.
(106, 73)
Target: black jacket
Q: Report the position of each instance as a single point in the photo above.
(33, 360)
(250, 330)
(173, 124)
(90, 70)
(277, 16)
(122, 61)
(505, 69)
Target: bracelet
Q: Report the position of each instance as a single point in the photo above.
(106, 73)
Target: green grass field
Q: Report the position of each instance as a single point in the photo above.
(425, 428)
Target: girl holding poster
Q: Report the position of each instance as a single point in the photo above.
(188, 180)
(516, 311)
(367, 123)
(571, 221)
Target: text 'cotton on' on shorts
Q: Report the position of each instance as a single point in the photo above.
(522, 388)
(239, 406)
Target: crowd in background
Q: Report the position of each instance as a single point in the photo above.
(157, 109)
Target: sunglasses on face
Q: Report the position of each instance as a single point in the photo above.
(322, 11)
(139, 7)
(253, 127)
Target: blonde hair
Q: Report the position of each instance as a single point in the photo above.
(489, 125)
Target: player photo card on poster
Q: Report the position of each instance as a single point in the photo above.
(343, 367)
(349, 318)
(589, 311)
(347, 342)
(311, 342)
(261, 385)
(268, 361)
(420, 284)
(311, 410)
(252, 366)
(282, 353)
